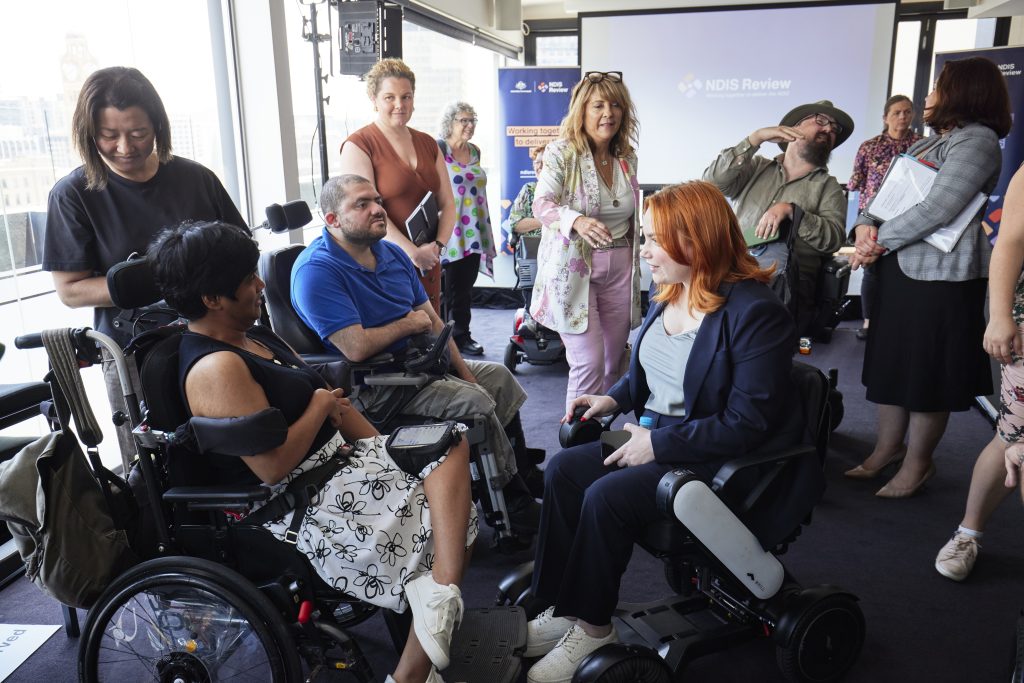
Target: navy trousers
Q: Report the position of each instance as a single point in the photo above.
(591, 516)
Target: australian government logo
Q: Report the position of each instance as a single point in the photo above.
(521, 87)
(734, 87)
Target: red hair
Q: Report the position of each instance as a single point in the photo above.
(695, 225)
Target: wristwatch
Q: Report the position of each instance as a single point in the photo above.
(440, 245)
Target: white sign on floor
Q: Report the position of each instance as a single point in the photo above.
(18, 642)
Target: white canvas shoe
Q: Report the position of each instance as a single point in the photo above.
(436, 610)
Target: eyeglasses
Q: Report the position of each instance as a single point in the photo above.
(598, 76)
(468, 122)
(825, 122)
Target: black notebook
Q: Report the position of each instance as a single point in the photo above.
(421, 225)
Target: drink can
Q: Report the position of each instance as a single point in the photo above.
(805, 346)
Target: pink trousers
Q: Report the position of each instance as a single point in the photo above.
(595, 355)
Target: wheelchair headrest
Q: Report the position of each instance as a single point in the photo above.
(276, 271)
(131, 284)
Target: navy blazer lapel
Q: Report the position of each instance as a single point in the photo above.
(703, 352)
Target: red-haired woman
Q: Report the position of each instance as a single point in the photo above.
(709, 379)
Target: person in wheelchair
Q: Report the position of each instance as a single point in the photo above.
(388, 537)
(360, 295)
(709, 378)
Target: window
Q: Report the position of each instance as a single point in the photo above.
(48, 52)
(558, 50)
(446, 70)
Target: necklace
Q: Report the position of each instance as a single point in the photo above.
(604, 162)
(615, 189)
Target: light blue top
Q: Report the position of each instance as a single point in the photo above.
(664, 357)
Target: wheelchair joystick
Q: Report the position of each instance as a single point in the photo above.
(577, 430)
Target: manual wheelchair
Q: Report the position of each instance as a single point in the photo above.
(719, 546)
(212, 596)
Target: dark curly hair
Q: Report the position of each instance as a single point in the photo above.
(197, 259)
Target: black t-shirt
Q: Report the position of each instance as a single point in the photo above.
(287, 381)
(90, 230)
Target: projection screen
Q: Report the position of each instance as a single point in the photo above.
(702, 79)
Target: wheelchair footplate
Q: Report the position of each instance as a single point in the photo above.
(681, 629)
(488, 645)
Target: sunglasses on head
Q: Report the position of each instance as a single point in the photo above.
(598, 76)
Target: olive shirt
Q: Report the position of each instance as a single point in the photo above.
(755, 183)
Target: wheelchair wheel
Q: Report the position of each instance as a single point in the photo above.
(620, 663)
(511, 357)
(826, 641)
(189, 620)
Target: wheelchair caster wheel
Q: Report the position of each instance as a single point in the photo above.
(826, 641)
(511, 357)
(620, 663)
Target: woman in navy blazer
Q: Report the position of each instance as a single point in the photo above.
(709, 379)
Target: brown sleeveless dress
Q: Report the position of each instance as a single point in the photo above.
(402, 187)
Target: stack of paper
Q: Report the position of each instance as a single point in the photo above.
(906, 184)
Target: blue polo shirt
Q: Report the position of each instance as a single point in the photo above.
(330, 291)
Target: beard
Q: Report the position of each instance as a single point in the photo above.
(366, 235)
(817, 151)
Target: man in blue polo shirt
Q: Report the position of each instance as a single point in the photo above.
(360, 294)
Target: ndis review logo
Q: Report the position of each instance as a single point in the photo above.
(691, 86)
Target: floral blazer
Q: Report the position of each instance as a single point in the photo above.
(566, 189)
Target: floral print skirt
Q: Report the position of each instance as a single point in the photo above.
(1010, 424)
(367, 532)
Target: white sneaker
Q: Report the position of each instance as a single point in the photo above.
(956, 559)
(544, 631)
(436, 610)
(559, 665)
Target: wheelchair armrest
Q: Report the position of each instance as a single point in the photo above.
(236, 436)
(216, 497)
(729, 472)
(19, 402)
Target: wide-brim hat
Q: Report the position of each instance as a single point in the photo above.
(826, 107)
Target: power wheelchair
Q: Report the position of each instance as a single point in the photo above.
(719, 546)
(275, 269)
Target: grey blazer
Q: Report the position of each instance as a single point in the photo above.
(969, 160)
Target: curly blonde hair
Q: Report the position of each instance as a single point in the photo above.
(390, 67)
